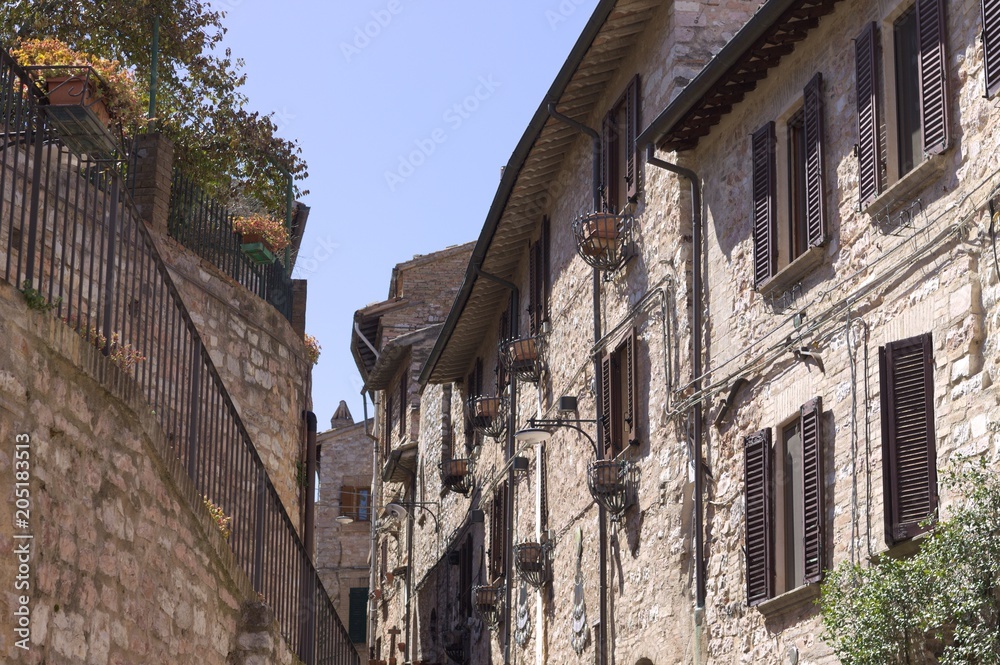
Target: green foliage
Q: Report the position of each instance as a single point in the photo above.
(233, 153)
(36, 299)
(940, 605)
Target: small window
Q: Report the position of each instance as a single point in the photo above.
(358, 615)
(784, 506)
(789, 190)
(355, 502)
(538, 280)
(912, 68)
(498, 533)
(619, 389)
(619, 154)
(909, 457)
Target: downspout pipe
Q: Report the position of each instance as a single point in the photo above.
(508, 541)
(375, 499)
(697, 289)
(602, 513)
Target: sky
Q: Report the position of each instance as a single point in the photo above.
(405, 111)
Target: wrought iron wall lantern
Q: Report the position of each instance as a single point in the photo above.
(488, 601)
(534, 562)
(604, 240)
(488, 415)
(457, 475)
(522, 357)
(612, 482)
(398, 510)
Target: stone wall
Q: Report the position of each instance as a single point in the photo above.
(125, 564)
(342, 550)
(879, 281)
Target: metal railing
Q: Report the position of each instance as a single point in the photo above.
(71, 240)
(205, 227)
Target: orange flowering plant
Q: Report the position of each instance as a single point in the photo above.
(312, 348)
(118, 91)
(271, 230)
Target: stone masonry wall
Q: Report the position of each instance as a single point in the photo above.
(879, 281)
(125, 564)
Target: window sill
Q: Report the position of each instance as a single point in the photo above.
(794, 272)
(902, 191)
(902, 550)
(789, 600)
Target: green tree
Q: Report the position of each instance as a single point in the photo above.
(234, 153)
(940, 605)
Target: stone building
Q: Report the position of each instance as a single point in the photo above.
(155, 395)
(390, 342)
(729, 311)
(344, 519)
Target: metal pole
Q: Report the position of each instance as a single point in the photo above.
(154, 73)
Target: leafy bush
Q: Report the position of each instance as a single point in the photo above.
(940, 605)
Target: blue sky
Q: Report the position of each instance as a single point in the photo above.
(405, 112)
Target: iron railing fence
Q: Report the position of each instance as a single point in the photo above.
(204, 226)
(70, 238)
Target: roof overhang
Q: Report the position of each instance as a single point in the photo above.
(770, 34)
(365, 333)
(393, 355)
(401, 465)
(520, 201)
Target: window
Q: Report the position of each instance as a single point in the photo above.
(909, 458)
(473, 388)
(355, 502)
(788, 216)
(388, 417)
(358, 614)
(619, 154)
(465, 578)
(404, 386)
(912, 66)
(619, 391)
(784, 505)
(498, 532)
(538, 280)
(991, 45)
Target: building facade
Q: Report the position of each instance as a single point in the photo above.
(725, 323)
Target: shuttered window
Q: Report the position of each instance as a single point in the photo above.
(909, 457)
(358, 615)
(538, 280)
(620, 171)
(404, 386)
(785, 506)
(765, 231)
(933, 76)
(812, 122)
(619, 385)
(498, 530)
(758, 514)
(869, 119)
(991, 45)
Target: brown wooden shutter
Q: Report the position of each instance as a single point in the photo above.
(991, 45)
(765, 232)
(869, 121)
(546, 268)
(812, 490)
(403, 390)
(758, 514)
(631, 389)
(533, 299)
(607, 396)
(812, 108)
(503, 334)
(607, 159)
(632, 171)
(498, 530)
(933, 76)
(909, 457)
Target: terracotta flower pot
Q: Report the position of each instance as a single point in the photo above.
(77, 91)
(487, 407)
(601, 234)
(523, 350)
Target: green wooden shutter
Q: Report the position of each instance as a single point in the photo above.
(757, 480)
(765, 232)
(358, 615)
(909, 457)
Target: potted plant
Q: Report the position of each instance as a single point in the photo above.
(312, 349)
(263, 236)
(72, 78)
